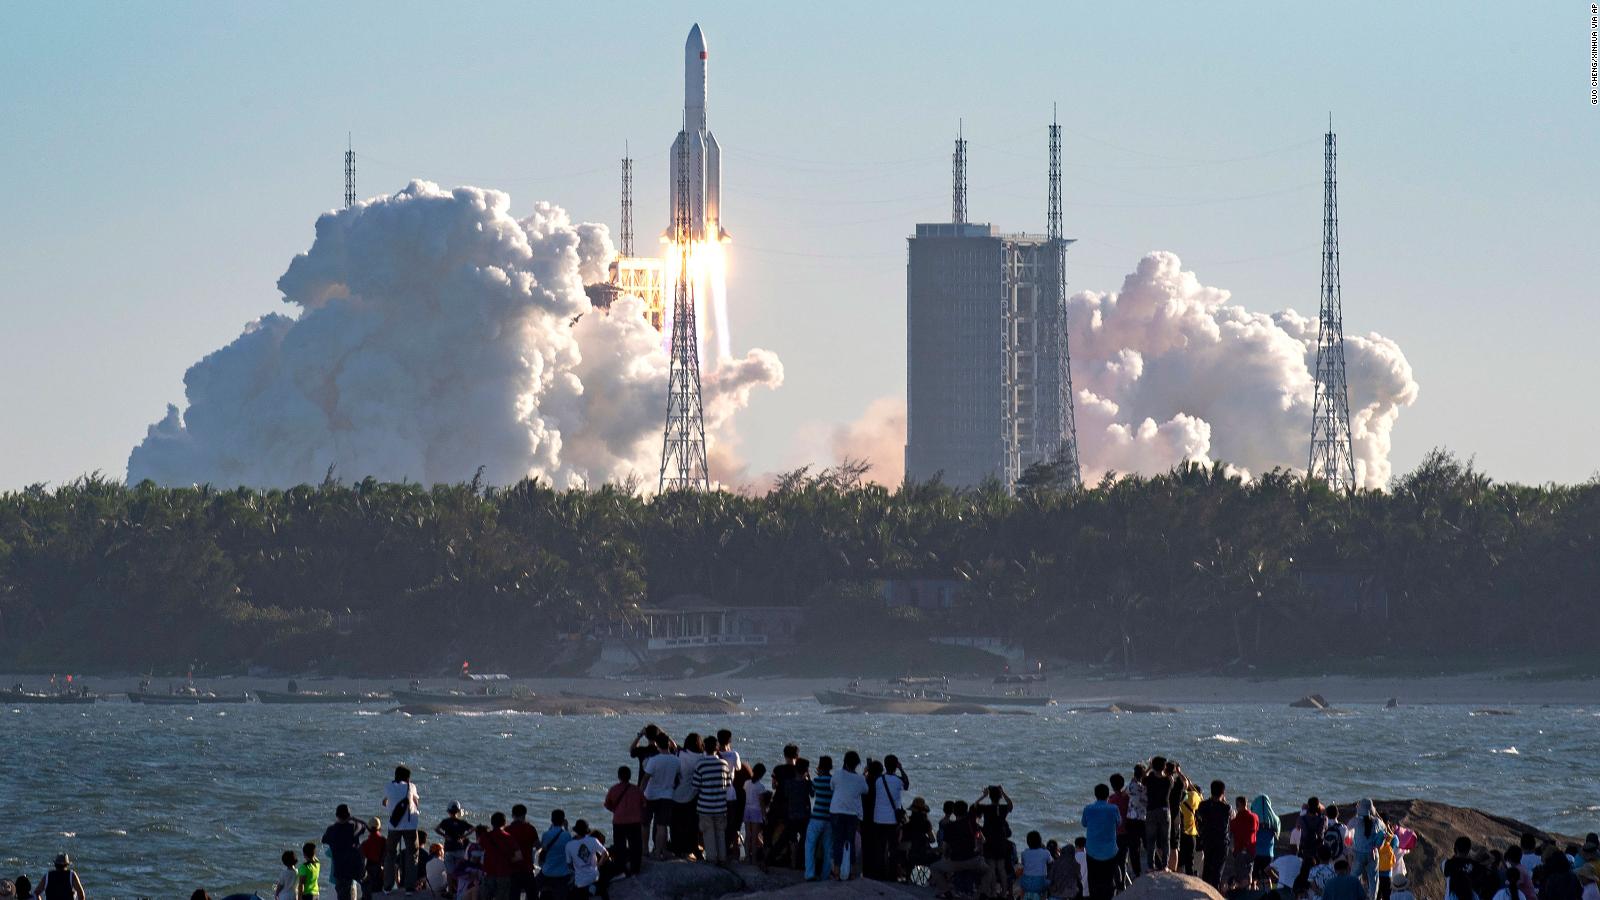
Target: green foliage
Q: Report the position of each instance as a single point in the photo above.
(1192, 568)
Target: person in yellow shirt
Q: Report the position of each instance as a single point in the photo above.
(1189, 833)
(1386, 867)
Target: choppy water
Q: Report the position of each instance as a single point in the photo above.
(156, 801)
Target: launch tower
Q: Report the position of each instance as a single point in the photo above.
(1331, 456)
(683, 444)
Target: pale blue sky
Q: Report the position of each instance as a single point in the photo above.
(165, 161)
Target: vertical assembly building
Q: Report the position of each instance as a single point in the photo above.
(984, 345)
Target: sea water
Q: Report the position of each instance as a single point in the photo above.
(158, 801)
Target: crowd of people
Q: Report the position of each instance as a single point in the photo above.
(698, 799)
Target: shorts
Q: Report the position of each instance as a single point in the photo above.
(661, 811)
(753, 817)
(1034, 884)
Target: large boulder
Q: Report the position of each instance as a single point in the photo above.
(1169, 886)
(679, 880)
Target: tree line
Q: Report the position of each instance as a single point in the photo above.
(1190, 568)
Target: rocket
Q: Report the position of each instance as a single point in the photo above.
(696, 160)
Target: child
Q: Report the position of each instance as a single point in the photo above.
(310, 873)
(1386, 855)
(437, 871)
(755, 798)
(287, 886)
(1034, 870)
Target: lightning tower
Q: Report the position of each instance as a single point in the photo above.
(1331, 456)
(683, 444)
(1065, 452)
(349, 173)
(958, 179)
(627, 203)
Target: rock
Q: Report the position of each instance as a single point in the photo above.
(1394, 703)
(1310, 701)
(1169, 886)
(679, 880)
(855, 889)
(1494, 712)
(1437, 826)
(1125, 707)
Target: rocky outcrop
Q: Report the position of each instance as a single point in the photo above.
(1311, 701)
(1169, 886)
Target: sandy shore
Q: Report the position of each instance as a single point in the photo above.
(1480, 689)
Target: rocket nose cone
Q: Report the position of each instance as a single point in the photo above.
(697, 41)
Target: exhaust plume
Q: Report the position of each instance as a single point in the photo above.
(437, 333)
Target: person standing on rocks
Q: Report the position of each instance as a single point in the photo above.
(626, 803)
(1119, 799)
(1099, 822)
(1267, 827)
(819, 828)
(343, 839)
(1212, 817)
(1133, 826)
(1368, 833)
(845, 811)
(400, 855)
(685, 813)
(659, 779)
(527, 839)
(455, 830)
(1158, 824)
(991, 811)
(555, 875)
(1242, 837)
(712, 780)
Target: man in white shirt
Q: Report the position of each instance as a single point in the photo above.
(401, 801)
(1287, 868)
(660, 781)
(849, 789)
(585, 856)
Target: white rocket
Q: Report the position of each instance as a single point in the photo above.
(697, 149)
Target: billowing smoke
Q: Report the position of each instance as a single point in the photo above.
(436, 334)
(1169, 370)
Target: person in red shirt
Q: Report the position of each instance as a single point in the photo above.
(1242, 831)
(625, 800)
(500, 857)
(527, 837)
(1119, 799)
(372, 850)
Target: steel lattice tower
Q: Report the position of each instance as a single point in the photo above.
(349, 174)
(1066, 451)
(627, 202)
(958, 180)
(683, 444)
(1331, 456)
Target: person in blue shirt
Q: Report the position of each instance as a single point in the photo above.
(1100, 821)
(555, 873)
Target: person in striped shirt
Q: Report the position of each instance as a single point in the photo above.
(712, 778)
(819, 832)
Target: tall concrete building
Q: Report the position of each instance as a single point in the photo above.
(984, 345)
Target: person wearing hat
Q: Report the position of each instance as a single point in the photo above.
(373, 851)
(454, 829)
(1400, 888)
(917, 843)
(61, 882)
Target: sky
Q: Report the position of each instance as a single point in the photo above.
(165, 162)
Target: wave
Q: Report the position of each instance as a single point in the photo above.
(1509, 751)
(1225, 738)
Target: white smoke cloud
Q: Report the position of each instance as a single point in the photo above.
(1168, 370)
(436, 334)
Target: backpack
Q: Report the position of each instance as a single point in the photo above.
(1333, 840)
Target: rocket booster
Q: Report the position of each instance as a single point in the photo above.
(696, 159)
